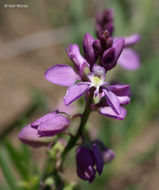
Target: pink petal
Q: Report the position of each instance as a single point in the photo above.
(123, 99)
(73, 52)
(129, 59)
(120, 90)
(108, 111)
(131, 40)
(42, 119)
(113, 101)
(75, 92)
(62, 75)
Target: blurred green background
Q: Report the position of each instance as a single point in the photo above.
(33, 39)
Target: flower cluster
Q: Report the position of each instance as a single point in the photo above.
(129, 59)
(87, 76)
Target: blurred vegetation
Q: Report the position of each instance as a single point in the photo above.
(135, 16)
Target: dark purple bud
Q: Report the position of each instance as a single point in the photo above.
(98, 158)
(88, 49)
(85, 164)
(105, 21)
(109, 27)
(105, 39)
(103, 36)
(108, 56)
(108, 155)
(111, 55)
(97, 47)
(109, 42)
(88, 161)
(100, 144)
(108, 15)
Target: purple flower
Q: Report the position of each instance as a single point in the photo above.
(88, 162)
(114, 96)
(46, 126)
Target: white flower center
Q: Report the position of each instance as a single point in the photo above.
(96, 81)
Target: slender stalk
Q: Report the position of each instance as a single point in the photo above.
(83, 122)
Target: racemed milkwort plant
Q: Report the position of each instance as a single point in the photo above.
(87, 76)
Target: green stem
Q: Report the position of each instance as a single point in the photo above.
(83, 122)
(73, 139)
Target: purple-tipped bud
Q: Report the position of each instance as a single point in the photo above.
(30, 136)
(97, 47)
(88, 49)
(108, 155)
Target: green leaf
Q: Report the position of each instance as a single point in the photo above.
(17, 160)
(7, 172)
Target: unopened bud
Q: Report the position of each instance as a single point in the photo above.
(97, 47)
